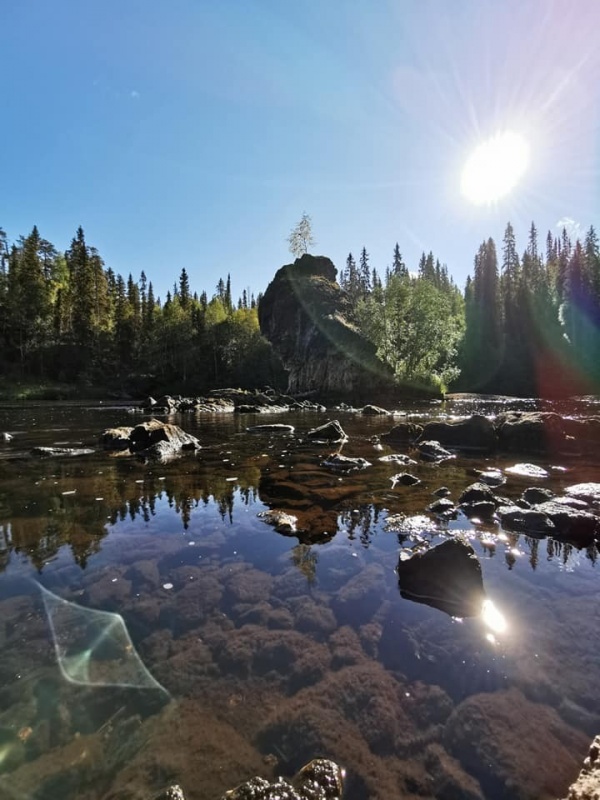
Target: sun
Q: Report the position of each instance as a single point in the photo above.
(494, 168)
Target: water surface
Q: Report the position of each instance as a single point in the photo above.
(154, 628)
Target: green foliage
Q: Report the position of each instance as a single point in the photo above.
(68, 318)
(416, 326)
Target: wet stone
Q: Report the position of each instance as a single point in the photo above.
(585, 491)
(526, 520)
(433, 451)
(527, 471)
(537, 494)
(476, 493)
(280, 520)
(442, 506)
(345, 463)
(398, 458)
(404, 479)
(492, 477)
(329, 432)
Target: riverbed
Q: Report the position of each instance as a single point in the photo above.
(154, 628)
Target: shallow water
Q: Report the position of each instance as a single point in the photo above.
(155, 629)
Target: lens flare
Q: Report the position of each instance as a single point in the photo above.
(495, 168)
(493, 618)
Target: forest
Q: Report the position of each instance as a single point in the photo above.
(525, 324)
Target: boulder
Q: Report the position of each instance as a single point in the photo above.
(431, 450)
(374, 411)
(590, 492)
(530, 431)
(404, 479)
(476, 493)
(303, 313)
(329, 432)
(576, 526)
(152, 439)
(447, 577)
(403, 433)
(115, 438)
(526, 520)
(475, 433)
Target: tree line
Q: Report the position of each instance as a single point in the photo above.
(67, 317)
(525, 324)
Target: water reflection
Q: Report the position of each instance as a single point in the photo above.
(493, 618)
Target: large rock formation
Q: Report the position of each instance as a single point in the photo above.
(303, 314)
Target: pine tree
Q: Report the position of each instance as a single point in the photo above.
(301, 238)
(398, 266)
(184, 289)
(365, 273)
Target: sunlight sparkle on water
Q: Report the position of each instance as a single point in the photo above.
(493, 618)
(494, 168)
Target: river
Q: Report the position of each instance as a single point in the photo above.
(155, 629)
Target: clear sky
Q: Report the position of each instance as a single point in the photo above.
(194, 133)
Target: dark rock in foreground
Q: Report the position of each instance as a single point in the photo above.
(447, 577)
(322, 779)
(587, 785)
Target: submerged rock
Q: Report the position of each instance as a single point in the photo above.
(447, 577)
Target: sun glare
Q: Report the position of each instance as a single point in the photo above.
(495, 168)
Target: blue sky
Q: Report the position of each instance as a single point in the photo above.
(194, 134)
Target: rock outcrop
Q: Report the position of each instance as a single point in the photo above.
(303, 314)
(150, 439)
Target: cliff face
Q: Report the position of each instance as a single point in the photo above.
(302, 314)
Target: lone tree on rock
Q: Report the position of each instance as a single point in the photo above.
(301, 238)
